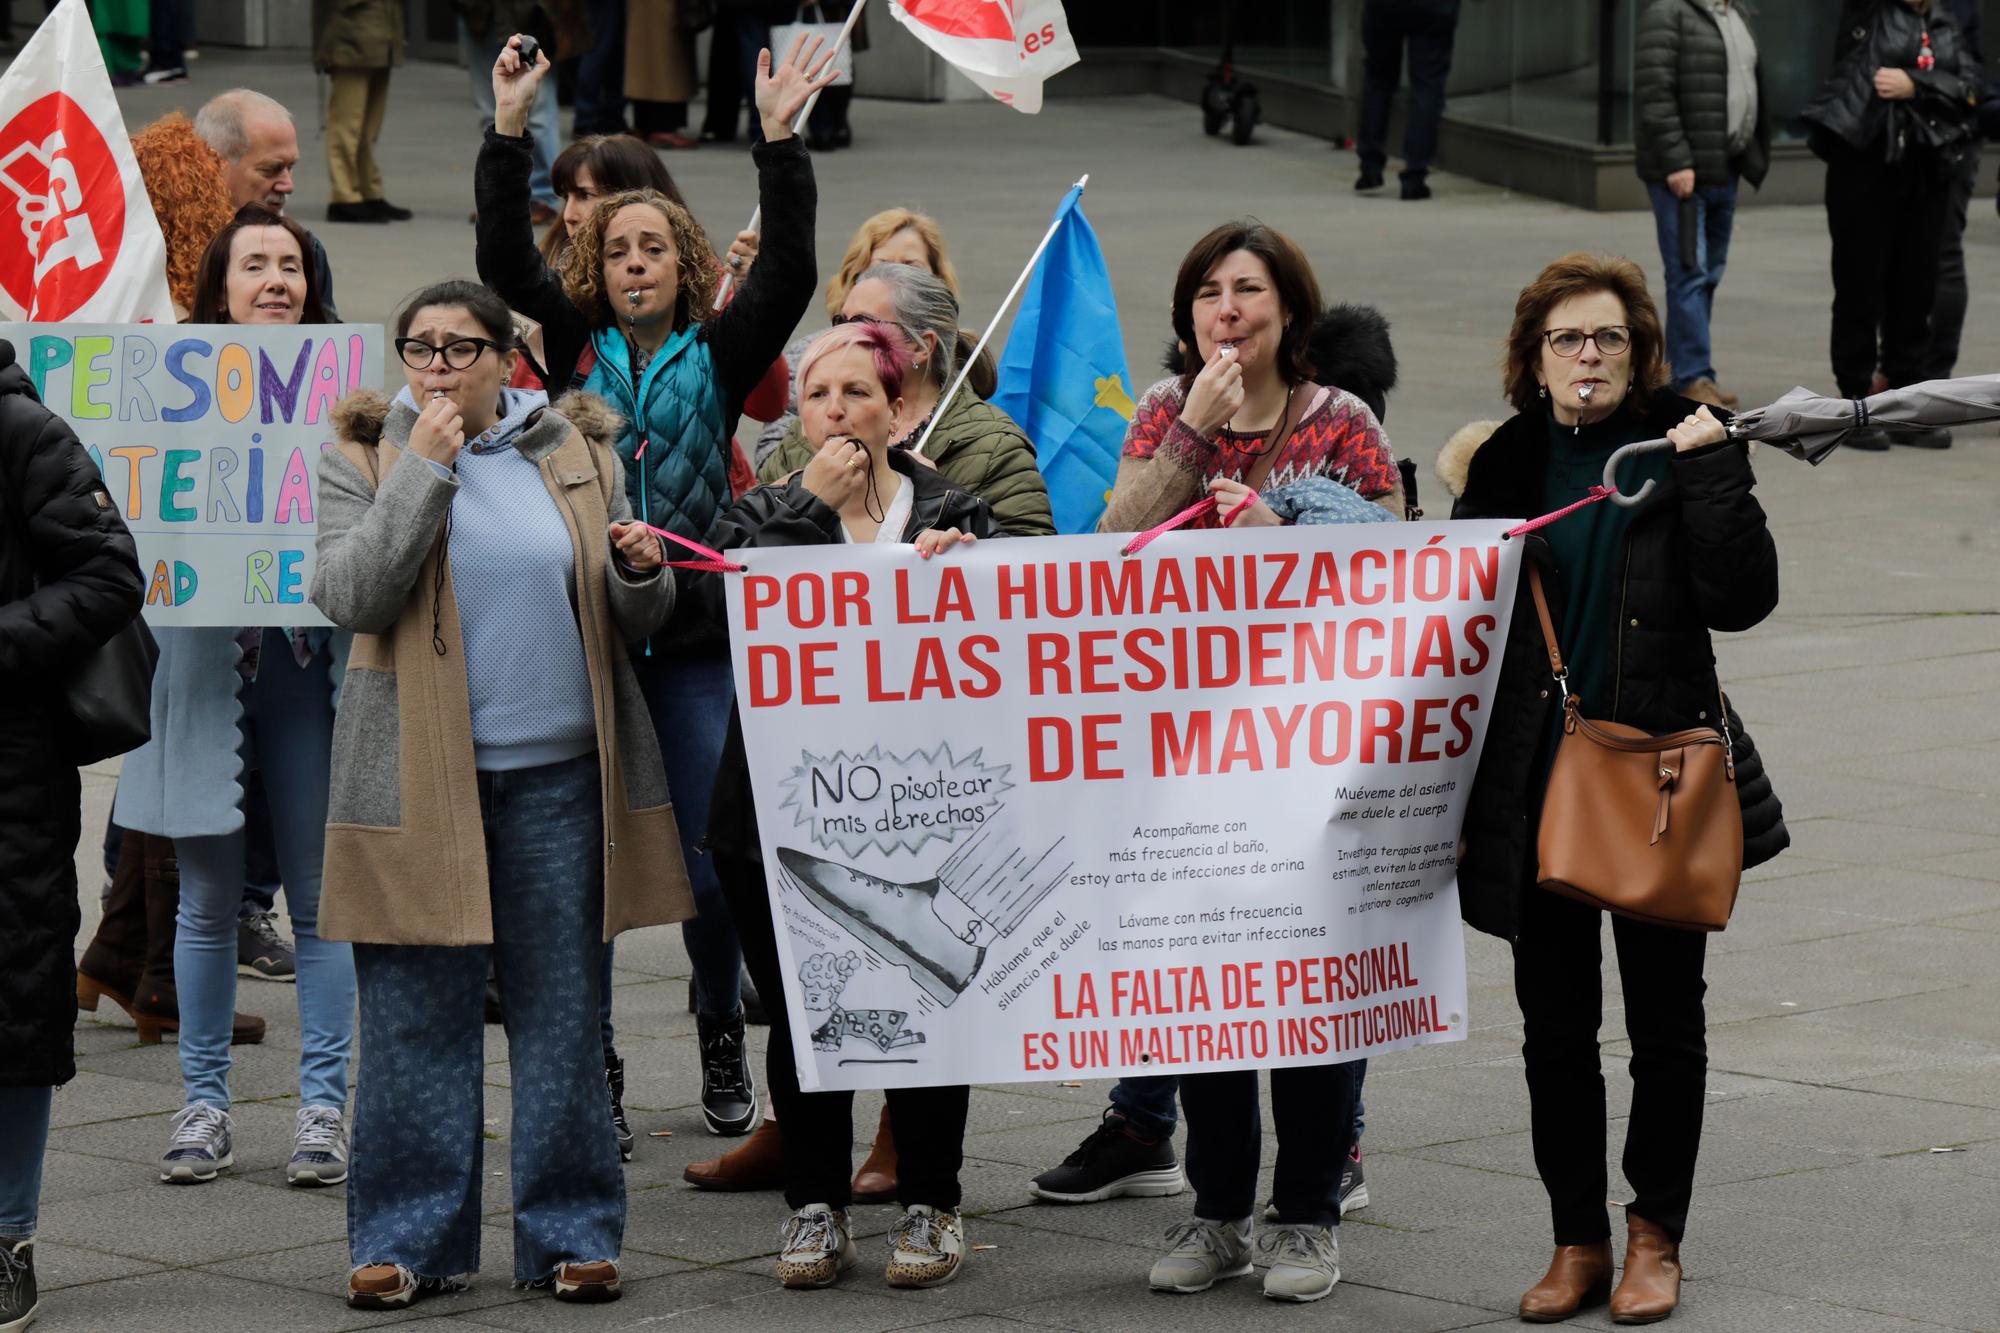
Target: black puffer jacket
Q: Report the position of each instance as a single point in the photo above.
(69, 580)
(1888, 34)
(787, 514)
(1698, 557)
(1680, 98)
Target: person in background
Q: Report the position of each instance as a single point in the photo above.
(827, 128)
(1892, 123)
(1701, 123)
(122, 37)
(742, 28)
(355, 44)
(480, 546)
(168, 37)
(1953, 291)
(659, 72)
(225, 701)
(975, 444)
(855, 490)
(600, 74)
(69, 581)
(1635, 593)
(893, 236)
(483, 29)
(259, 147)
(1426, 28)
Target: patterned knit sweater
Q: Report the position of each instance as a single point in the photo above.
(1167, 465)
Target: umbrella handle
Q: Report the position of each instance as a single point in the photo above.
(1618, 497)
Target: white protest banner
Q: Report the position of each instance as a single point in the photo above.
(208, 437)
(88, 247)
(1033, 809)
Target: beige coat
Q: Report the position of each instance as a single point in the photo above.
(405, 844)
(659, 53)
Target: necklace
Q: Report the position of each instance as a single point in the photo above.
(1277, 431)
(909, 437)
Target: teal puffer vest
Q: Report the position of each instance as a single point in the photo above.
(676, 417)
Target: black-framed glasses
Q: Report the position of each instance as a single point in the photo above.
(459, 353)
(844, 318)
(1611, 340)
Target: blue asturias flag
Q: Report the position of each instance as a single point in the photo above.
(1063, 375)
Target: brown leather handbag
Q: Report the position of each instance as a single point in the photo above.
(1645, 826)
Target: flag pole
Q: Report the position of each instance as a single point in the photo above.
(757, 214)
(937, 413)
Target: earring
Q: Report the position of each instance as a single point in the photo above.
(1542, 392)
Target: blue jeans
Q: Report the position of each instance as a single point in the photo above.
(414, 1195)
(689, 699)
(1688, 297)
(24, 1137)
(544, 117)
(288, 736)
(1147, 1102)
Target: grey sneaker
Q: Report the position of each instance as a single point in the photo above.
(1202, 1254)
(319, 1148)
(1304, 1262)
(261, 951)
(200, 1146)
(18, 1297)
(814, 1248)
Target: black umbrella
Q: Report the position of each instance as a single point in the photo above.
(1808, 425)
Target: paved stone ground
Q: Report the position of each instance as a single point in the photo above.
(1855, 1001)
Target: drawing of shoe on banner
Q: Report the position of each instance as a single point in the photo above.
(933, 921)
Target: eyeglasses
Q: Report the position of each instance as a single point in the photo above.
(459, 354)
(1611, 340)
(845, 318)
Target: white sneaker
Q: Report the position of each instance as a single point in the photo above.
(319, 1148)
(1203, 1253)
(926, 1247)
(200, 1146)
(814, 1248)
(1304, 1262)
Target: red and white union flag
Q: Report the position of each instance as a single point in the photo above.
(88, 248)
(1007, 47)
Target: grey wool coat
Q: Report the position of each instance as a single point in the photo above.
(1680, 98)
(405, 842)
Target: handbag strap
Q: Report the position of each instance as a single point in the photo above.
(1556, 666)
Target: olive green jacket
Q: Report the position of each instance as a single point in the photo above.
(977, 448)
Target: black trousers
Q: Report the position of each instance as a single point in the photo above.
(1312, 1107)
(1953, 293)
(1887, 223)
(818, 1127)
(1558, 979)
(1426, 28)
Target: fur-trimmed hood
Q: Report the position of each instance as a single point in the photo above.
(1455, 459)
(1350, 350)
(361, 415)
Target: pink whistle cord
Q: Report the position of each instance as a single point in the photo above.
(711, 562)
(1595, 494)
(1205, 505)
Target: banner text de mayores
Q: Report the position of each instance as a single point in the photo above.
(1309, 619)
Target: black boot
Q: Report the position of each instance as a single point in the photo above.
(614, 1078)
(728, 1092)
(18, 1297)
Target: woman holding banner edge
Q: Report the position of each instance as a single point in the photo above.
(1635, 593)
(856, 489)
(225, 701)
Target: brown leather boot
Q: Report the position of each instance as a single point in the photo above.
(875, 1182)
(1651, 1287)
(1579, 1275)
(755, 1164)
(116, 956)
